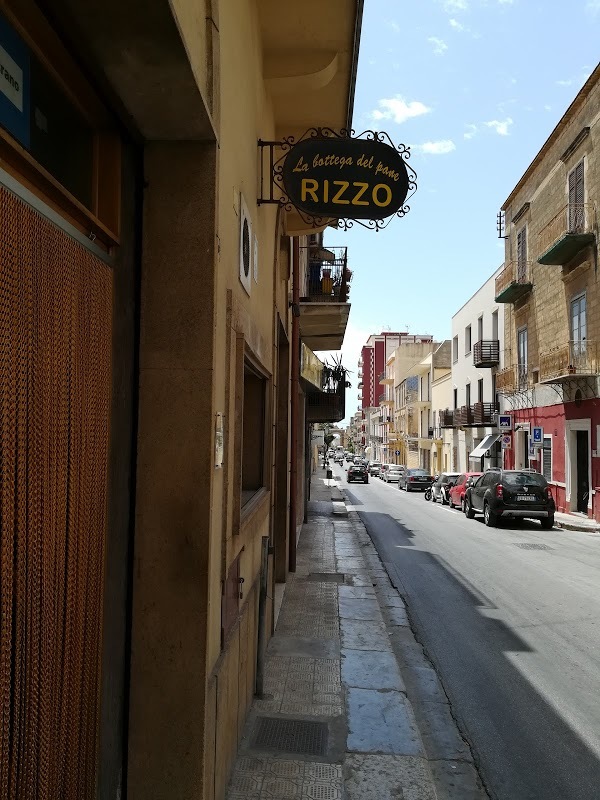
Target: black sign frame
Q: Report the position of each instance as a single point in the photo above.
(272, 186)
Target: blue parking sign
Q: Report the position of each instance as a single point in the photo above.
(538, 436)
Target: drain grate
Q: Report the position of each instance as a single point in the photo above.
(326, 577)
(292, 736)
(531, 546)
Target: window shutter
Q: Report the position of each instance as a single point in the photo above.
(522, 253)
(547, 459)
(576, 198)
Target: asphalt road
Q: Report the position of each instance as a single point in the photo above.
(513, 631)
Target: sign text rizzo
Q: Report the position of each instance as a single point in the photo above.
(344, 177)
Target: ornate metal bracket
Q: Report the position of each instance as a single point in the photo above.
(272, 155)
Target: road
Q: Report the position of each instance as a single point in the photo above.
(510, 618)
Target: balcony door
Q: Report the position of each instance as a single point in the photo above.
(576, 200)
(522, 256)
(578, 330)
(522, 357)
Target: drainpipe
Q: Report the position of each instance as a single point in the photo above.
(295, 385)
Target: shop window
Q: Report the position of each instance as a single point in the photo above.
(253, 433)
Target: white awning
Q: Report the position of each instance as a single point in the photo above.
(484, 445)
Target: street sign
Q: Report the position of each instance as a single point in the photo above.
(506, 441)
(532, 450)
(396, 452)
(505, 422)
(538, 437)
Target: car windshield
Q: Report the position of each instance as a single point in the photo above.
(418, 472)
(524, 479)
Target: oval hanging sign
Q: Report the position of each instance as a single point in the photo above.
(344, 177)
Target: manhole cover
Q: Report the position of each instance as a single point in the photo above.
(531, 546)
(326, 577)
(292, 736)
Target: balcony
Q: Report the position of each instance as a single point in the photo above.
(567, 234)
(328, 405)
(324, 290)
(463, 416)
(484, 414)
(513, 282)
(571, 360)
(486, 353)
(513, 379)
(446, 418)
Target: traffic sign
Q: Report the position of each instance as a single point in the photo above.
(396, 452)
(506, 441)
(505, 422)
(538, 437)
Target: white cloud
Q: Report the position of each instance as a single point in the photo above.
(452, 6)
(500, 126)
(439, 148)
(471, 130)
(454, 23)
(395, 26)
(439, 45)
(547, 108)
(593, 7)
(564, 83)
(506, 2)
(398, 110)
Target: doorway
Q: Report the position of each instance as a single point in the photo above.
(581, 461)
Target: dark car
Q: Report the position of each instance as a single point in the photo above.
(358, 472)
(415, 480)
(501, 493)
(440, 489)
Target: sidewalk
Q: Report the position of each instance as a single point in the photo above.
(352, 709)
(576, 522)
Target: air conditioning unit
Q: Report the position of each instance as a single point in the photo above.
(246, 246)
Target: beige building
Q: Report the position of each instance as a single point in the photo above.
(550, 291)
(156, 412)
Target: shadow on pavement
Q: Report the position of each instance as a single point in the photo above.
(525, 749)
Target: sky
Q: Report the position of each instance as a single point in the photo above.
(474, 87)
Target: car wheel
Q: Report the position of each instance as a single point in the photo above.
(366, 480)
(547, 523)
(444, 498)
(469, 512)
(462, 505)
(433, 497)
(407, 487)
(490, 519)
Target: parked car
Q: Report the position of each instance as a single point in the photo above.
(349, 458)
(501, 493)
(440, 488)
(383, 469)
(339, 459)
(457, 492)
(375, 467)
(415, 479)
(392, 475)
(357, 472)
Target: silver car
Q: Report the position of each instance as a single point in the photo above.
(393, 474)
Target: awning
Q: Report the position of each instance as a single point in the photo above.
(484, 445)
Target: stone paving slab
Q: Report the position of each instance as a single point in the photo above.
(368, 669)
(381, 721)
(379, 777)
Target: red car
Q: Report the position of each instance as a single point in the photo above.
(457, 492)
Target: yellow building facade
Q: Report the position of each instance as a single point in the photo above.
(198, 415)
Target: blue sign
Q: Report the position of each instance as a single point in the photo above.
(14, 84)
(396, 452)
(505, 422)
(538, 436)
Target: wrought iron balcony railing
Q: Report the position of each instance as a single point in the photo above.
(486, 353)
(484, 413)
(513, 282)
(567, 233)
(327, 277)
(512, 379)
(572, 359)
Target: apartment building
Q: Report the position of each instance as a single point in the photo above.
(550, 291)
(469, 423)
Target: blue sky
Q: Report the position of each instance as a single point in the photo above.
(474, 87)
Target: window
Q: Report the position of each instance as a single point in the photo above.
(455, 348)
(456, 398)
(480, 390)
(522, 255)
(547, 458)
(467, 340)
(495, 325)
(522, 357)
(253, 433)
(468, 394)
(480, 329)
(578, 331)
(576, 200)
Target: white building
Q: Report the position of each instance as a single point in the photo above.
(471, 419)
